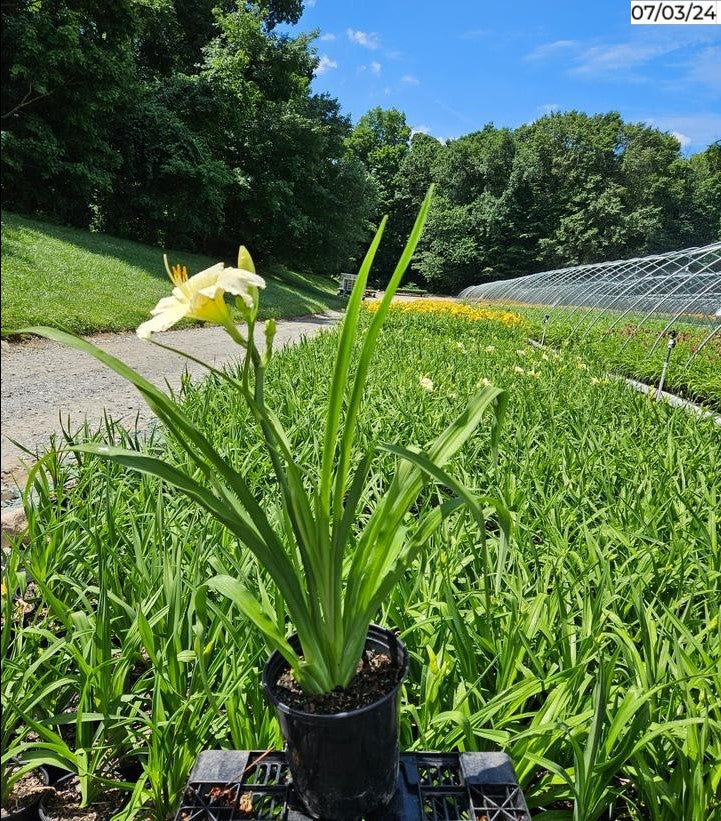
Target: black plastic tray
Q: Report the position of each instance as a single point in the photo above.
(230, 785)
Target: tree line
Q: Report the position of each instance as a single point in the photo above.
(565, 190)
(193, 124)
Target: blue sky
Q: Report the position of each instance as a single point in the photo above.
(455, 65)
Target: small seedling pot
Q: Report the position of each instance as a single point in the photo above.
(29, 811)
(343, 765)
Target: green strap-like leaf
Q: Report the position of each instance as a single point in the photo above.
(405, 487)
(366, 354)
(275, 561)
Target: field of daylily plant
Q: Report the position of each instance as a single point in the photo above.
(635, 346)
(587, 644)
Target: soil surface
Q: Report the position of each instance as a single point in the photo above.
(26, 791)
(375, 677)
(43, 381)
(63, 803)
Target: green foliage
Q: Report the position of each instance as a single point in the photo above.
(380, 140)
(90, 282)
(65, 69)
(567, 189)
(634, 345)
(180, 124)
(330, 579)
(707, 171)
(597, 668)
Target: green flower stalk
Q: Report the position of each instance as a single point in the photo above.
(332, 571)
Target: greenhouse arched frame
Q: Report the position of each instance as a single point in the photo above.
(679, 286)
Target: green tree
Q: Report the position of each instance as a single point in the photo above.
(380, 140)
(65, 72)
(706, 168)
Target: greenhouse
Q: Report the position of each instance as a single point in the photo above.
(625, 309)
(682, 285)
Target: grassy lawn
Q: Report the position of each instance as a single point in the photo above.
(94, 282)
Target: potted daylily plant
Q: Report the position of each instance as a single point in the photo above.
(335, 683)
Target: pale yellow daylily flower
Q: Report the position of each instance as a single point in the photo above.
(426, 384)
(544, 357)
(517, 369)
(202, 296)
(484, 383)
(521, 352)
(489, 348)
(535, 374)
(582, 366)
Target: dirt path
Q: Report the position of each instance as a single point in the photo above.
(43, 381)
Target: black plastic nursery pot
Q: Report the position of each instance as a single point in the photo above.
(343, 765)
(30, 810)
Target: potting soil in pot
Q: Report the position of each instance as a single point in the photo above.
(375, 676)
(64, 803)
(27, 791)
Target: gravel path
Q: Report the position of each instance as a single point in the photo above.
(43, 381)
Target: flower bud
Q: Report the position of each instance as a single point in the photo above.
(245, 261)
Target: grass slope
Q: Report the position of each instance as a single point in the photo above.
(94, 282)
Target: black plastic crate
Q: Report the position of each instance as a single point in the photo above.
(230, 785)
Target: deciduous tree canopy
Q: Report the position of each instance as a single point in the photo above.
(569, 188)
(185, 123)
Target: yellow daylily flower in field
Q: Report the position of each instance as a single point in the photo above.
(426, 384)
(203, 296)
(449, 307)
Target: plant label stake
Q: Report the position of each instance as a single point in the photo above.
(670, 347)
(545, 325)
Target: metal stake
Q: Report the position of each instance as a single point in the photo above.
(545, 324)
(671, 346)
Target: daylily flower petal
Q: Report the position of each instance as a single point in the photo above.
(165, 304)
(205, 278)
(234, 281)
(210, 310)
(161, 321)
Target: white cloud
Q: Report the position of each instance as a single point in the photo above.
(376, 67)
(327, 37)
(410, 80)
(705, 68)
(476, 34)
(699, 129)
(325, 64)
(549, 108)
(387, 90)
(682, 138)
(620, 57)
(420, 129)
(309, 3)
(363, 38)
(624, 60)
(546, 50)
